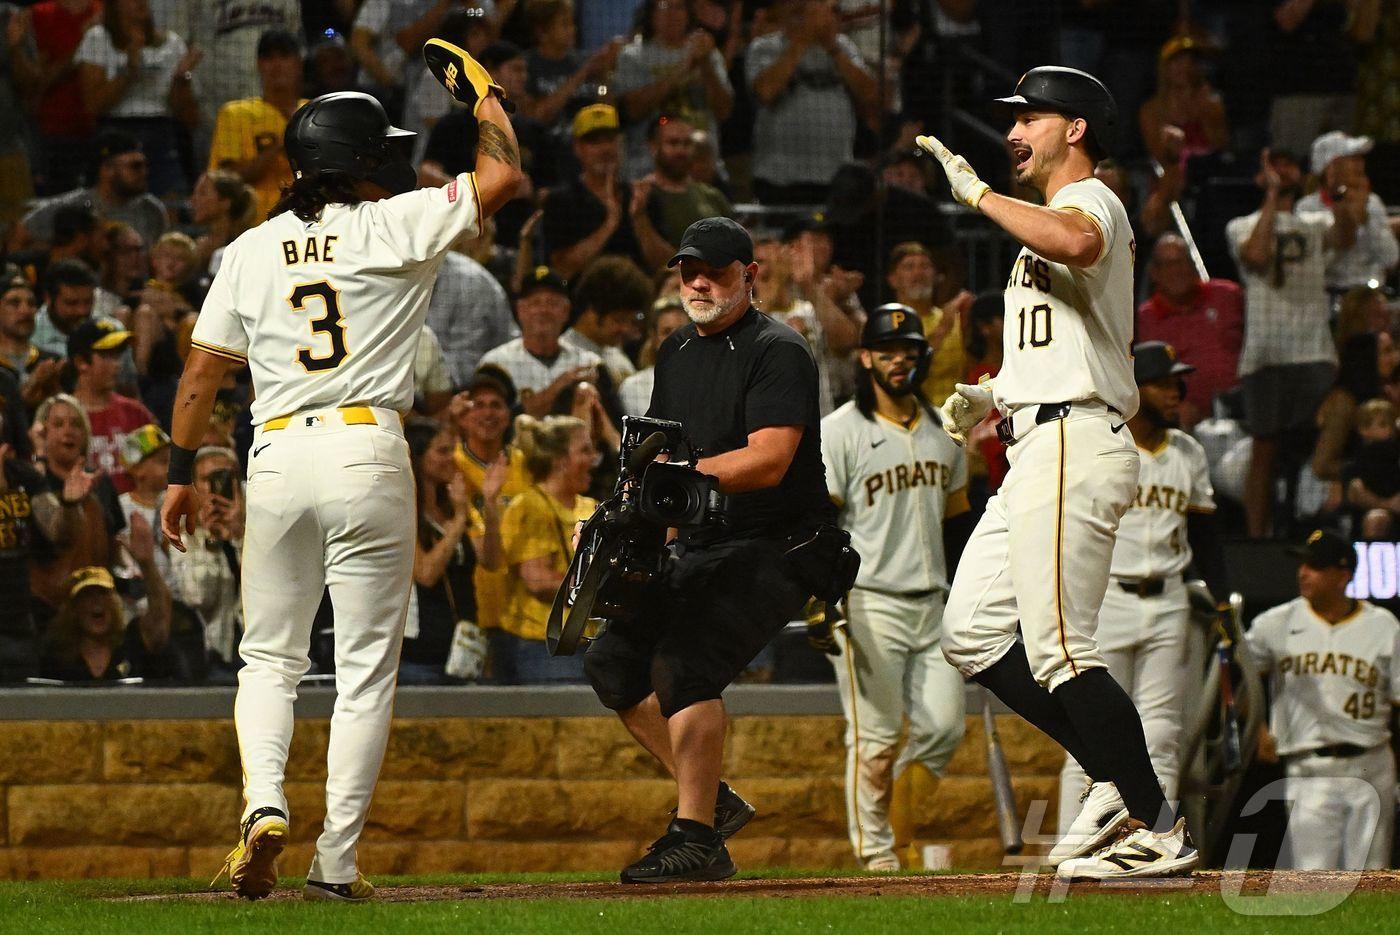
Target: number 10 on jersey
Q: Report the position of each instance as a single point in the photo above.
(330, 324)
(1034, 326)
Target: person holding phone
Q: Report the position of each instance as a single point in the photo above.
(207, 571)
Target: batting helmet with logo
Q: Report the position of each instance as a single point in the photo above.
(892, 322)
(1073, 93)
(349, 132)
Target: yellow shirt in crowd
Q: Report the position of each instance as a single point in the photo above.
(241, 131)
(949, 364)
(491, 585)
(536, 525)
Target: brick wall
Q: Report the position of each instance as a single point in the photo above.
(156, 798)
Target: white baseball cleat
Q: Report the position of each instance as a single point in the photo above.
(883, 862)
(1101, 816)
(1138, 853)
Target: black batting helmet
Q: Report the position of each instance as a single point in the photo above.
(1073, 93)
(349, 132)
(893, 322)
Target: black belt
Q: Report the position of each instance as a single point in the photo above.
(1339, 750)
(1047, 412)
(906, 595)
(1145, 587)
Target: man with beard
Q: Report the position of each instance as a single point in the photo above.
(900, 486)
(1143, 621)
(596, 212)
(1024, 606)
(119, 193)
(913, 277)
(744, 387)
(675, 200)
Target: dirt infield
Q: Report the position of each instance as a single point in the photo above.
(926, 885)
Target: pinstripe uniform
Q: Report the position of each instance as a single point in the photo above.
(894, 486)
(1142, 626)
(1039, 557)
(328, 313)
(1333, 687)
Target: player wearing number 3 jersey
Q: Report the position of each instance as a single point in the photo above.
(1039, 558)
(325, 301)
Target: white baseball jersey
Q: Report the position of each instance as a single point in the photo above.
(1068, 331)
(1331, 683)
(894, 487)
(1173, 481)
(528, 372)
(302, 301)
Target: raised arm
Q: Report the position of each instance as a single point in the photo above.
(498, 172)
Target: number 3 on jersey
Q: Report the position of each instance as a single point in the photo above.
(330, 324)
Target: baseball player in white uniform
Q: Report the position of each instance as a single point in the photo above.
(325, 301)
(1143, 622)
(900, 484)
(1333, 665)
(1039, 557)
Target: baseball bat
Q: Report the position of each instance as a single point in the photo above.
(1230, 625)
(1008, 822)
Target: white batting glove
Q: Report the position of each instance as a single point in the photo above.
(968, 406)
(967, 187)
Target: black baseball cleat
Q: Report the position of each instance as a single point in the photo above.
(687, 852)
(731, 812)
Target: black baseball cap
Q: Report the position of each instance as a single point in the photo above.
(717, 241)
(1326, 549)
(815, 222)
(279, 42)
(96, 334)
(542, 277)
(1153, 360)
(493, 378)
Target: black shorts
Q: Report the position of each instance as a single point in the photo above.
(705, 618)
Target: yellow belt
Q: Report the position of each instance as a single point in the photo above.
(350, 415)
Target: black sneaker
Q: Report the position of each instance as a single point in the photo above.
(731, 812)
(687, 852)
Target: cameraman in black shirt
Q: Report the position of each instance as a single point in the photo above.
(744, 388)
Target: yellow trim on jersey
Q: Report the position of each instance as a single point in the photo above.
(1059, 549)
(218, 351)
(837, 499)
(1203, 510)
(955, 504)
(1356, 612)
(476, 193)
(1154, 452)
(913, 423)
(1103, 238)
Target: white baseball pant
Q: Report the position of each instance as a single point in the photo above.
(1040, 554)
(890, 667)
(1143, 640)
(329, 505)
(1342, 810)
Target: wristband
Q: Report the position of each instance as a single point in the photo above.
(181, 470)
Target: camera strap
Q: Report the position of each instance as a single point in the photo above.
(558, 523)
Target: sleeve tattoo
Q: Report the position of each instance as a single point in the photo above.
(493, 143)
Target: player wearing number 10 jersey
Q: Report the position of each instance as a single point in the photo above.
(1038, 562)
(325, 301)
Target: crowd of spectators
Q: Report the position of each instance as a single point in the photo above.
(138, 138)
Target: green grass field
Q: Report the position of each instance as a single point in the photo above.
(97, 906)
